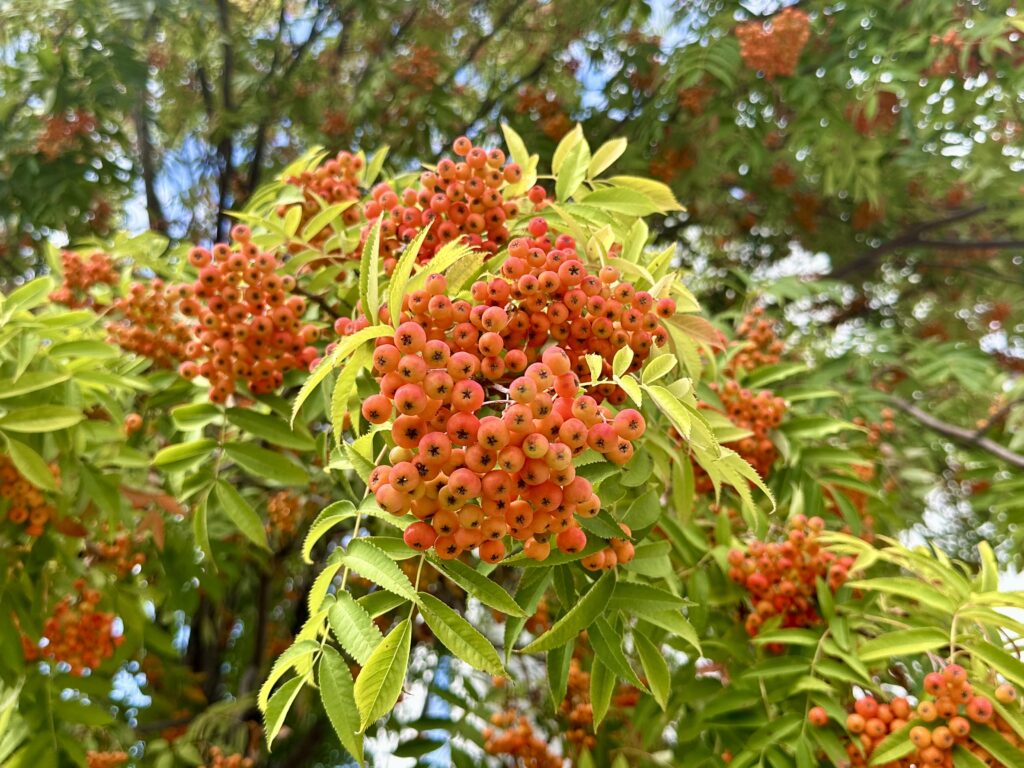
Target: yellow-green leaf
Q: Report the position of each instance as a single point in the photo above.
(337, 694)
(459, 636)
(380, 682)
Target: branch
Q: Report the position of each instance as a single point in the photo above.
(225, 147)
(490, 103)
(908, 239)
(320, 301)
(478, 46)
(967, 245)
(272, 89)
(370, 60)
(959, 434)
(154, 209)
(998, 416)
(255, 166)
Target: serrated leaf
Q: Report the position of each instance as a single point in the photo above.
(914, 589)
(605, 155)
(353, 627)
(996, 745)
(477, 585)
(659, 193)
(270, 428)
(669, 405)
(31, 465)
(632, 388)
(345, 389)
(194, 415)
(399, 281)
(578, 617)
(316, 224)
(672, 621)
(32, 381)
(894, 746)
(329, 517)
(373, 564)
(566, 143)
(1002, 662)
(42, 418)
(380, 682)
(262, 463)
(447, 255)
(607, 646)
(292, 218)
(963, 758)
(200, 530)
(30, 295)
(620, 200)
(288, 659)
(173, 457)
(241, 514)
(621, 361)
(369, 272)
(338, 697)
(345, 348)
(657, 367)
(655, 668)
(904, 642)
(277, 709)
(374, 167)
(644, 511)
(459, 636)
(602, 686)
(516, 146)
(573, 171)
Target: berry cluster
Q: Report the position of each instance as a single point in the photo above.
(694, 99)
(866, 215)
(26, 504)
(458, 200)
(806, 207)
(618, 551)
(577, 709)
(668, 162)
(418, 68)
(146, 324)
(857, 498)
(884, 118)
(80, 275)
(775, 48)
(781, 577)
(759, 341)
(119, 554)
(545, 109)
(540, 621)
(757, 412)
(77, 634)
(518, 740)
(782, 175)
(106, 759)
(335, 123)
(217, 759)
(479, 416)
(876, 429)
(954, 55)
(247, 326)
(945, 720)
(284, 511)
(334, 181)
(63, 131)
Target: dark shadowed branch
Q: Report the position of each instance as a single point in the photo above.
(967, 437)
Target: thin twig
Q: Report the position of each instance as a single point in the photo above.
(959, 434)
